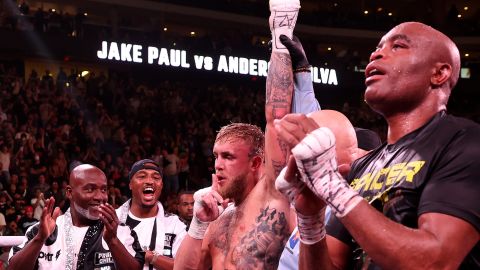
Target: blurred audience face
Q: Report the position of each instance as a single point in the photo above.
(185, 206)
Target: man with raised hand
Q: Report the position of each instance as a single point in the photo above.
(252, 230)
(88, 236)
(412, 203)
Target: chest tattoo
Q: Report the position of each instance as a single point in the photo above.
(261, 247)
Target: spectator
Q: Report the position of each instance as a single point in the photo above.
(27, 219)
(38, 203)
(5, 157)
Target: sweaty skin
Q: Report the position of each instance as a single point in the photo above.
(251, 233)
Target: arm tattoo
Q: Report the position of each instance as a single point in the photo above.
(283, 147)
(261, 247)
(279, 83)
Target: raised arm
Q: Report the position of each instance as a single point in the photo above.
(279, 88)
(304, 100)
(26, 258)
(278, 103)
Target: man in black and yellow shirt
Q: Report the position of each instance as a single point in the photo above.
(413, 202)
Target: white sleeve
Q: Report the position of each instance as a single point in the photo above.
(180, 232)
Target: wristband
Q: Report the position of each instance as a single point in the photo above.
(311, 228)
(154, 258)
(197, 228)
(303, 69)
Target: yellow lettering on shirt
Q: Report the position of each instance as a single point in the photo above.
(394, 172)
(377, 185)
(363, 182)
(410, 170)
(388, 176)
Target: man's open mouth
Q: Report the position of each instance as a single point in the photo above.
(149, 193)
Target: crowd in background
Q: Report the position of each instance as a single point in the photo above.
(48, 124)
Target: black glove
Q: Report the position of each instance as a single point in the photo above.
(295, 48)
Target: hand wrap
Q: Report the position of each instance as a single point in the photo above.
(316, 161)
(197, 227)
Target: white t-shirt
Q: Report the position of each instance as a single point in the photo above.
(37, 212)
(145, 226)
(169, 235)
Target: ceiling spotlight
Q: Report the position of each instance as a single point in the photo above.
(465, 8)
(365, 12)
(85, 14)
(53, 10)
(174, 44)
(459, 15)
(263, 41)
(379, 9)
(335, 4)
(390, 14)
(165, 29)
(329, 48)
(467, 55)
(192, 33)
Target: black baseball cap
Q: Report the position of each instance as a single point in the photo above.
(144, 164)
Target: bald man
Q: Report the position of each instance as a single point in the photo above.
(87, 236)
(413, 202)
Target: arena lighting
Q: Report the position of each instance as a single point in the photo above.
(176, 58)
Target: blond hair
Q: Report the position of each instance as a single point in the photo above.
(251, 134)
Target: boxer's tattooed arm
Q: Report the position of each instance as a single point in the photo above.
(278, 104)
(261, 247)
(279, 85)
